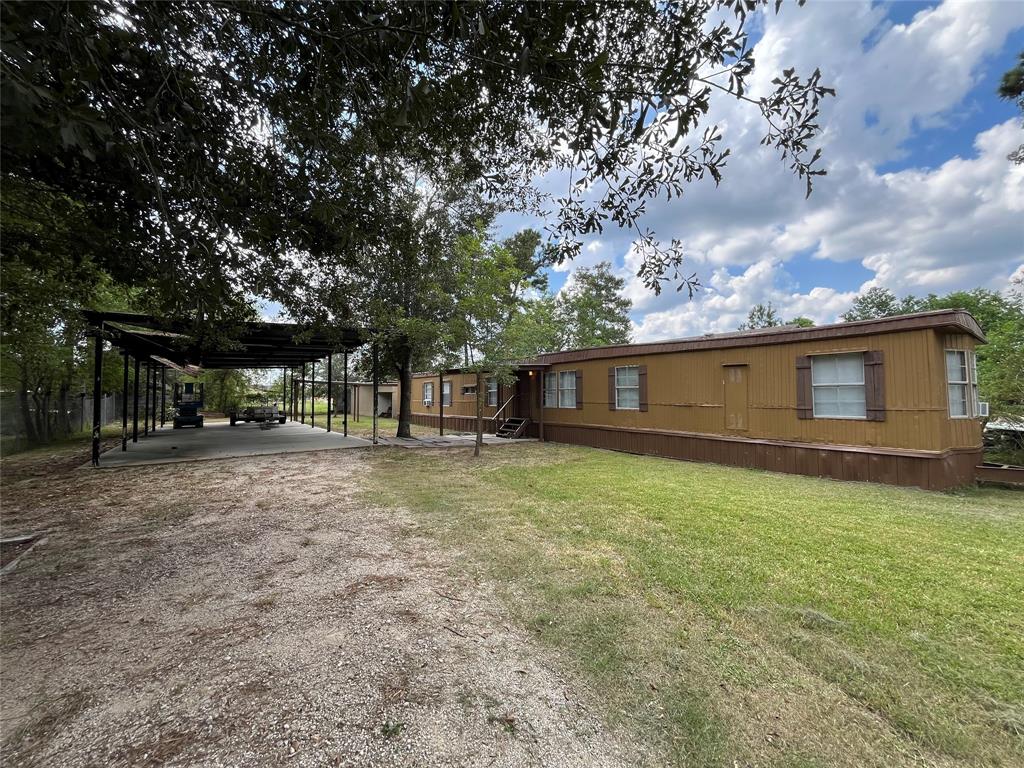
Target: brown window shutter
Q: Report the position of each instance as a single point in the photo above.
(804, 397)
(579, 390)
(611, 388)
(642, 374)
(874, 385)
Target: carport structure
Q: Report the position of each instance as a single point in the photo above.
(159, 344)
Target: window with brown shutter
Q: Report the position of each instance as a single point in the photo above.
(627, 387)
(579, 390)
(839, 385)
(611, 388)
(804, 402)
(874, 385)
(643, 387)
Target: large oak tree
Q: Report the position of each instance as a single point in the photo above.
(227, 144)
(215, 153)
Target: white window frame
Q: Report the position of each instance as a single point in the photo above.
(559, 388)
(970, 384)
(492, 392)
(623, 387)
(550, 389)
(836, 385)
(446, 394)
(469, 389)
(567, 392)
(973, 370)
(428, 399)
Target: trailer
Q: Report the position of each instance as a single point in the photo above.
(261, 414)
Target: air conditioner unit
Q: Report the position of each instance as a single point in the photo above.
(983, 410)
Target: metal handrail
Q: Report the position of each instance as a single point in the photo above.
(497, 413)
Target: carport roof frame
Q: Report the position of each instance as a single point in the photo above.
(256, 345)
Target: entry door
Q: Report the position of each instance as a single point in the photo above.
(524, 395)
(736, 398)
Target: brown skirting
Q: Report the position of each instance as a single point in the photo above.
(925, 469)
(453, 423)
(1001, 475)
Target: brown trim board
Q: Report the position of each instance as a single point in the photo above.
(1001, 475)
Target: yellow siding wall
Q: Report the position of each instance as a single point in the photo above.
(958, 433)
(686, 393)
(462, 405)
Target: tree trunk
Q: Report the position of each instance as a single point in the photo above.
(63, 417)
(31, 435)
(46, 432)
(479, 413)
(40, 416)
(405, 392)
(67, 379)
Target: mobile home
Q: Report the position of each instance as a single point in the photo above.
(893, 400)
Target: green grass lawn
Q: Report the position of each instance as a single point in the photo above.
(734, 615)
(385, 427)
(364, 426)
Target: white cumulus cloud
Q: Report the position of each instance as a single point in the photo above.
(919, 229)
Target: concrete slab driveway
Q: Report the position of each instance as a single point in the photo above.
(219, 440)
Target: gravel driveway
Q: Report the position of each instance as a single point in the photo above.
(255, 612)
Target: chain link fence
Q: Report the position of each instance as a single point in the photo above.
(50, 423)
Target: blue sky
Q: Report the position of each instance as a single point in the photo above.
(981, 108)
(919, 198)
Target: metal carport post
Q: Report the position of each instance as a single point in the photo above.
(156, 378)
(124, 404)
(302, 393)
(295, 396)
(344, 412)
(163, 395)
(293, 402)
(97, 395)
(312, 394)
(145, 405)
(329, 372)
(375, 387)
(153, 418)
(135, 401)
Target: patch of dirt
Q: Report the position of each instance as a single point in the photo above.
(183, 614)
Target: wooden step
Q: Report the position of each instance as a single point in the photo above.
(512, 427)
